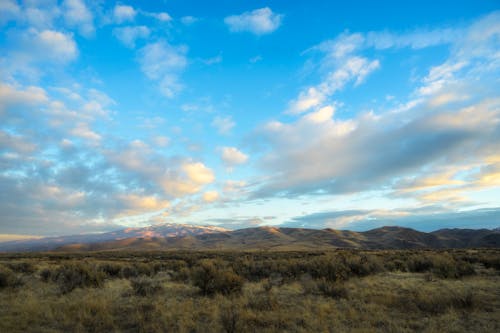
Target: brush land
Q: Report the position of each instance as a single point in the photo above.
(235, 291)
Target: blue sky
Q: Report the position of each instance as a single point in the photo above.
(235, 113)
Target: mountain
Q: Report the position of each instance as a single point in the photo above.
(166, 230)
(189, 237)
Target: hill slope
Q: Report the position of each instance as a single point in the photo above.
(188, 237)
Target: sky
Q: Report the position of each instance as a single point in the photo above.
(316, 114)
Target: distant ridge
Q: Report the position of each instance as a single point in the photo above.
(165, 230)
(189, 237)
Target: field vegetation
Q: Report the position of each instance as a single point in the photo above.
(334, 291)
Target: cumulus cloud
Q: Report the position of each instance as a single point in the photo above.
(210, 196)
(78, 15)
(440, 127)
(162, 63)
(87, 182)
(123, 13)
(129, 35)
(49, 45)
(224, 125)
(259, 21)
(231, 156)
(161, 16)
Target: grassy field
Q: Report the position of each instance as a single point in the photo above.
(337, 291)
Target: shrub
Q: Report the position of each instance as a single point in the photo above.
(145, 286)
(129, 271)
(263, 302)
(443, 267)
(229, 318)
(111, 269)
(77, 275)
(22, 267)
(439, 303)
(212, 280)
(332, 289)
(45, 274)
(8, 278)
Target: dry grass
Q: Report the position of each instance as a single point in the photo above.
(339, 292)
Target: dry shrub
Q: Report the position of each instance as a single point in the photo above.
(229, 316)
(8, 278)
(22, 267)
(332, 289)
(440, 302)
(77, 275)
(145, 286)
(111, 269)
(212, 279)
(262, 302)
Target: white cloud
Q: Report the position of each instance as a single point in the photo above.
(77, 14)
(259, 21)
(307, 99)
(210, 196)
(14, 96)
(129, 35)
(231, 156)
(188, 20)
(134, 204)
(59, 45)
(162, 16)
(440, 127)
(352, 68)
(40, 15)
(198, 173)
(223, 124)
(33, 46)
(322, 115)
(9, 9)
(161, 141)
(162, 62)
(123, 13)
(83, 130)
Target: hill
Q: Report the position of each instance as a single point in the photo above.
(189, 237)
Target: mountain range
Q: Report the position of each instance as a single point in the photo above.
(190, 237)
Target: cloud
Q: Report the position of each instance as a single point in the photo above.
(9, 9)
(427, 219)
(161, 141)
(73, 178)
(134, 204)
(259, 21)
(237, 222)
(161, 16)
(439, 128)
(351, 69)
(338, 65)
(162, 63)
(48, 45)
(123, 13)
(210, 196)
(76, 14)
(189, 20)
(231, 156)
(12, 97)
(129, 35)
(198, 173)
(371, 151)
(224, 125)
